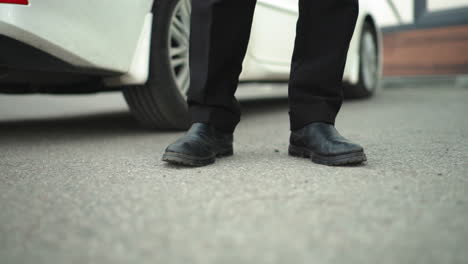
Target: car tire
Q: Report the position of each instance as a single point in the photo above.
(161, 102)
(369, 65)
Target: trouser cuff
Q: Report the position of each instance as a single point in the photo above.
(220, 118)
(301, 115)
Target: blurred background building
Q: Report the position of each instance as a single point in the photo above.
(424, 37)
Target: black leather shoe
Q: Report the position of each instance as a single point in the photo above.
(322, 143)
(199, 147)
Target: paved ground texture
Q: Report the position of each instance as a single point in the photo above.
(81, 182)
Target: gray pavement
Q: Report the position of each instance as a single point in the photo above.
(81, 182)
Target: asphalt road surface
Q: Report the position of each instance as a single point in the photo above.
(81, 182)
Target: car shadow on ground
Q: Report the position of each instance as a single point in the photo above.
(107, 124)
(114, 123)
(92, 125)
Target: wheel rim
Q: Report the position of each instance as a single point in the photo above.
(179, 33)
(369, 61)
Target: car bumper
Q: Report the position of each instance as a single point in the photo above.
(78, 33)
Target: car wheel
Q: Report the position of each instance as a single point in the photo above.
(369, 67)
(161, 102)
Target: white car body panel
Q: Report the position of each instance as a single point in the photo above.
(439, 5)
(115, 35)
(86, 33)
(139, 68)
(272, 42)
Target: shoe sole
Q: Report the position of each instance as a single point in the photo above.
(194, 161)
(353, 158)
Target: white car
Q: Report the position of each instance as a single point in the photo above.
(141, 48)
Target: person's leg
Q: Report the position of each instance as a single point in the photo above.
(220, 33)
(219, 36)
(324, 31)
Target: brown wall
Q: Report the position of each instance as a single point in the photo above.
(436, 51)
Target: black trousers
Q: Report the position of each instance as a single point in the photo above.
(220, 33)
